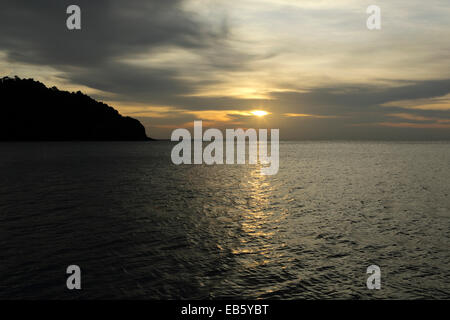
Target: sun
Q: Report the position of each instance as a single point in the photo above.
(259, 113)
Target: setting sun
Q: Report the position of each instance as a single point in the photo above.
(259, 113)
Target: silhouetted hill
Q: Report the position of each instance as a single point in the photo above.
(31, 111)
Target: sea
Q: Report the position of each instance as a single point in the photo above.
(140, 227)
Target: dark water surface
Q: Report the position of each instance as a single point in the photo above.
(141, 227)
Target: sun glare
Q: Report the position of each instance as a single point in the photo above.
(259, 113)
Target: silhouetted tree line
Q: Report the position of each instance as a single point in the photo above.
(31, 111)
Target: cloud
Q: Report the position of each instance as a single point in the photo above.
(296, 115)
(312, 64)
(348, 99)
(112, 32)
(36, 32)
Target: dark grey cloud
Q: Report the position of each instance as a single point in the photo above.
(35, 31)
(359, 98)
(359, 109)
(133, 83)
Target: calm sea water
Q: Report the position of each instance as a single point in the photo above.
(141, 227)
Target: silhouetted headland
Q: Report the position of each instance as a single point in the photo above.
(32, 112)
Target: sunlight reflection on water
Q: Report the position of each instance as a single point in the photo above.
(141, 227)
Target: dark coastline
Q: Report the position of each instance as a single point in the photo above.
(30, 111)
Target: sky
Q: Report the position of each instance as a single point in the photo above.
(312, 65)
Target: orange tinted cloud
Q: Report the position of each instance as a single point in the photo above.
(308, 115)
(415, 125)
